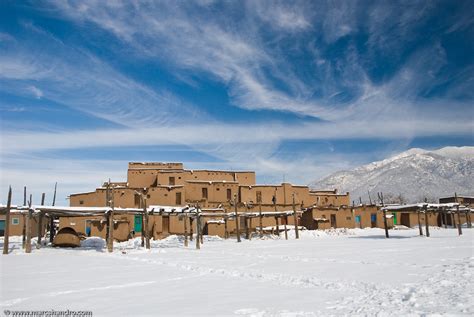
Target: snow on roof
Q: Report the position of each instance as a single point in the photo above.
(321, 219)
(216, 221)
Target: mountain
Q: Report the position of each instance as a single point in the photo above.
(409, 176)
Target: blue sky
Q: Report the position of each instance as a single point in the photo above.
(293, 90)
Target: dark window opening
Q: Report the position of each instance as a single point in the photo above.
(178, 198)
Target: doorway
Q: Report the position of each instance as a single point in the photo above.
(166, 224)
(138, 223)
(404, 220)
(373, 220)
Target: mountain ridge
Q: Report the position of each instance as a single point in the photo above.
(409, 176)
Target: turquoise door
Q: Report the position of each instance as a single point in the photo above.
(138, 223)
(2, 228)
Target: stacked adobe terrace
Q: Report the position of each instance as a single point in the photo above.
(171, 185)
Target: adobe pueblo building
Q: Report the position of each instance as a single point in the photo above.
(170, 184)
(160, 199)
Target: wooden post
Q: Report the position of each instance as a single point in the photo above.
(28, 226)
(445, 219)
(23, 232)
(52, 230)
(7, 222)
(185, 229)
(419, 223)
(260, 219)
(384, 215)
(468, 218)
(147, 224)
(226, 230)
(277, 226)
(237, 220)
(385, 226)
(286, 231)
(201, 231)
(198, 228)
(40, 223)
(250, 227)
(247, 233)
(142, 220)
(23, 239)
(459, 220)
(427, 226)
(110, 240)
(191, 233)
(295, 218)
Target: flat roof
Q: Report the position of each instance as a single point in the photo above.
(454, 197)
(210, 182)
(274, 185)
(327, 194)
(222, 171)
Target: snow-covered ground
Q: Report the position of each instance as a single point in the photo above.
(340, 272)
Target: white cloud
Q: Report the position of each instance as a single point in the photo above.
(36, 92)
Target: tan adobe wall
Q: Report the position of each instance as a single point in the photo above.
(343, 218)
(282, 192)
(169, 196)
(141, 178)
(217, 192)
(244, 178)
(18, 220)
(249, 194)
(123, 225)
(123, 197)
(93, 199)
(365, 213)
(172, 177)
(335, 200)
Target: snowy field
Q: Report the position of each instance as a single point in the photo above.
(342, 272)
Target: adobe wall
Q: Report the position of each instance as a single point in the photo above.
(92, 199)
(329, 199)
(216, 192)
(17, 229)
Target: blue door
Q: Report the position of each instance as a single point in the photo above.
(138, 223)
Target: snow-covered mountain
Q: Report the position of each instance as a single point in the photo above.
(413, 175)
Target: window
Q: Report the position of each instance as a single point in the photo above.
(259, 197)
(229, 194)
(178, 198)
(172, 181)
(137, 200)
(81, 202)
(204, 193)
(15, 221)
(348, 218)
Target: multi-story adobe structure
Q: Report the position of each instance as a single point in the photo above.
(170, 184)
